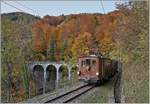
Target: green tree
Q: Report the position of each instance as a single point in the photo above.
(133, 28)
(9, 51)
(133, 41)
(13, 63)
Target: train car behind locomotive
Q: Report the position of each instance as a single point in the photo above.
(95, 69)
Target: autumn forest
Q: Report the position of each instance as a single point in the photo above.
(121, 34)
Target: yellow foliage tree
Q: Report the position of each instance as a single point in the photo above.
(81, 45)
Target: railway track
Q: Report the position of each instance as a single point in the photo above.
(71, 95)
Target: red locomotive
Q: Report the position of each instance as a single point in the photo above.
(96, 69)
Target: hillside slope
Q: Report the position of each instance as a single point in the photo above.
(22, 21)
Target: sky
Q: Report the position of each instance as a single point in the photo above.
(55, 8)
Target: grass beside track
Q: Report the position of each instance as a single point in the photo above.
(99, 94)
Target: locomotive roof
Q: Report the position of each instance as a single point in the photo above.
(94, 56)
(90, 56)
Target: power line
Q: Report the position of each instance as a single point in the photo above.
(102, 6)
(12, 6)
(27, 7)
(15, 7)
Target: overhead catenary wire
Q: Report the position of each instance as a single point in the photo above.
(119, 49)
(27, 8)
(13, 6)
(104, 18)
(17, 7)
(102, 6)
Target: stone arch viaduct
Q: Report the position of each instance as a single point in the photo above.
(45, 64)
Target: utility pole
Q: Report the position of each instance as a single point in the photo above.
(117, 83)
(118, 76)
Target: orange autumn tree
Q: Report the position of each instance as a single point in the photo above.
(53, 35)
(41, 36)
(37, 34)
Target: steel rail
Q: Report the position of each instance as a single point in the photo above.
(71, 92)
(76, 96)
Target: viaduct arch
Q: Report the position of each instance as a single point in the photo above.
(44, 68)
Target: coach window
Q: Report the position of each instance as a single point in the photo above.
(93, 63)
(88, 62)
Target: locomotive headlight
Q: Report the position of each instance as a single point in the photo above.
(78, 72)
(97, 73)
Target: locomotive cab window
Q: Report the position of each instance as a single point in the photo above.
(88, 62)
(93, 63)
(83, 64)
